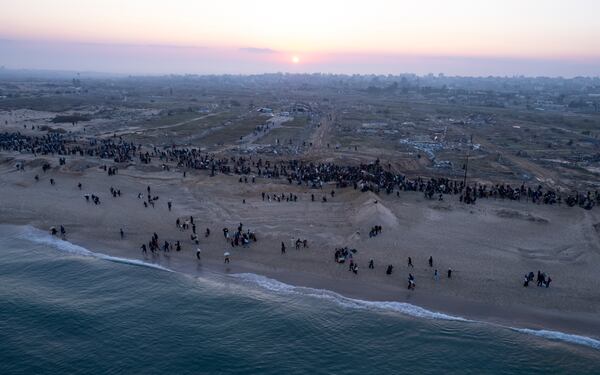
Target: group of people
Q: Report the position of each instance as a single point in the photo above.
(542, 279)
(115, 192)
(301, 243)
(372, 177)
(151, 199)
(95, 199)
(375, 230)
(239, 237)
(54, 231)
(55, 143)
(366, 177)
(279, 197)
(343, 254)
(155, 247)
(536, 195)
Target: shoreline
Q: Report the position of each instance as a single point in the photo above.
(544, 324)
(489, 246)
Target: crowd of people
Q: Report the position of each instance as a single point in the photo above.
(155, 247)
(279, 197)
(366, 177)
(542, 279)
(54, 143)
(345, 254)
(243, 238)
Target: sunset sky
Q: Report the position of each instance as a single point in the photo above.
(464, 37)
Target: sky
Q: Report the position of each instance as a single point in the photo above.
(454, 37)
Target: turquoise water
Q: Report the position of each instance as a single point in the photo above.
(64, 310)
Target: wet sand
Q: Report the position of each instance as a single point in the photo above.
(489, 246)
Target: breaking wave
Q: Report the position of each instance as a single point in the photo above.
(561, 336)
(400, 307)
(39, 237)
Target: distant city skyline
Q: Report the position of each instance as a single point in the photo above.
(463, 37)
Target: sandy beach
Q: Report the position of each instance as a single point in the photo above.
(489, 246)
(274, 187)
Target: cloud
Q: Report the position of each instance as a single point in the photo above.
(257, 50)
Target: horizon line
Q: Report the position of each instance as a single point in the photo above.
(155, 75)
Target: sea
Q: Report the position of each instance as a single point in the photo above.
(67, 310)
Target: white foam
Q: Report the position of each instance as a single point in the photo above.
(37, 236)
(400, 307)
(561, 336)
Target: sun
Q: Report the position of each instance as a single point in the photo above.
(295, 59)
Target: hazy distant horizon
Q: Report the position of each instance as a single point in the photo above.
(128, 59)
(153, 37)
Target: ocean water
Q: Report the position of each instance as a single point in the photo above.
(66, 310)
